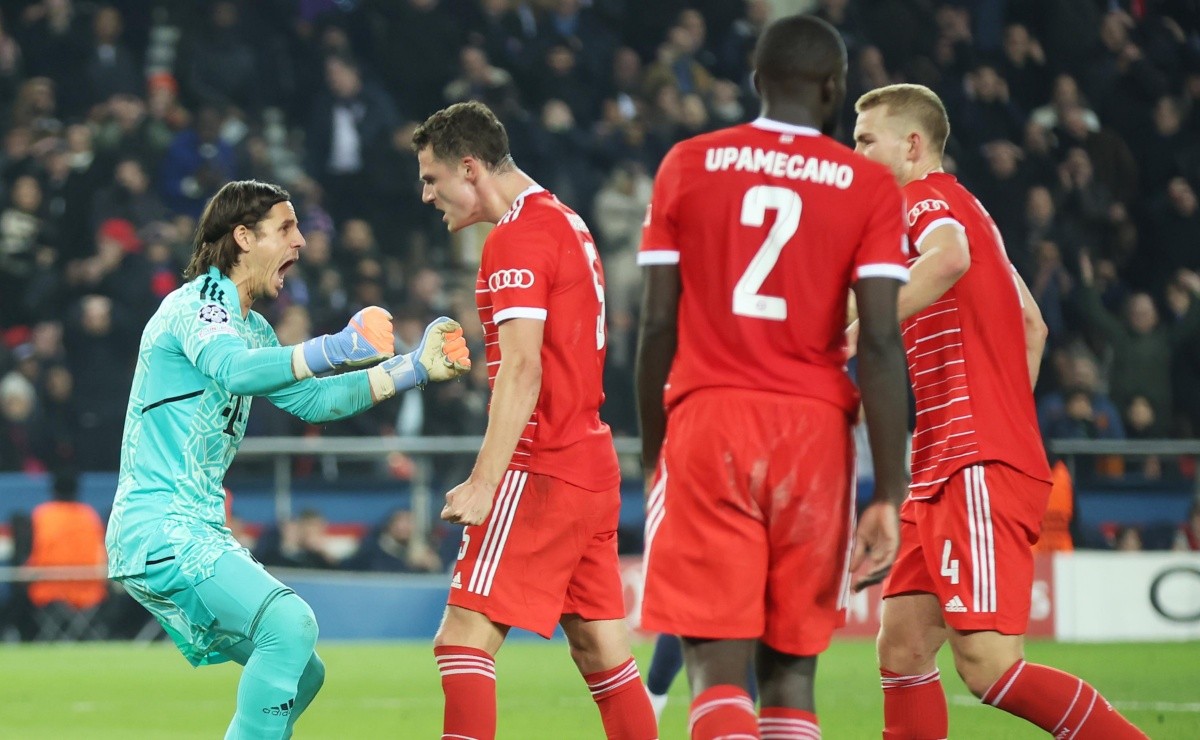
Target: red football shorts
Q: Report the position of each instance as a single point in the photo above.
(748, 524)
(971, 546)
(548, 548)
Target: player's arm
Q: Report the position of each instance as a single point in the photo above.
(1036, 331)
(514, 397)
(883, 381)
(220, 353)
(441, 354)
(658, 336)
(945, 257)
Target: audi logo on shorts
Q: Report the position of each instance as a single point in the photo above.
(501, 279)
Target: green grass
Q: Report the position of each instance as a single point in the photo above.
(390, 690)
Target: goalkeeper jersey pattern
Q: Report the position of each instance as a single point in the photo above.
(199, 364)
(182, 428)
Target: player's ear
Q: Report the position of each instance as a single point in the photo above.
(915, 145)
(471, 168)
(243, 237)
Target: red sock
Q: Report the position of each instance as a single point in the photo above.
(781, 723)
(469, 683)
(1059, 703)
(914, 707)
(723, 711)
(623, 702)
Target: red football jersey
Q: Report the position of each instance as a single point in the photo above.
(770, 224)
(540, 262)
(966, 352)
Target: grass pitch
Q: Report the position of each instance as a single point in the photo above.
(390, 690)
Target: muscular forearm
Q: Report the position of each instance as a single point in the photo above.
(882, 377)
(515, 395)
(656, 352)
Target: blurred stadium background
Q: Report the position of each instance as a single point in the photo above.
(1074, 121)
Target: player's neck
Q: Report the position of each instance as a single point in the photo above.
(793, 115)
(921, 170)
(503, 191)
(241, 279)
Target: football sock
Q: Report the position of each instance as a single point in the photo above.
(624, 705)
(723, 711)
(469, 683)
(783, 723)
(1059, 703)
(310, 683)
(284, 639)
(914, 707)
(665, 664)
(658, 702)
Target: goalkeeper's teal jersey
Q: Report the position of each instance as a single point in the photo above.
(199, 363)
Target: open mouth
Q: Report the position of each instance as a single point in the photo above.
(284, 268)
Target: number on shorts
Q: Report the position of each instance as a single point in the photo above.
(462, 546)
(949, 567)
(747, 301)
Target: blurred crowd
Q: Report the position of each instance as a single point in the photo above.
(1074, 121)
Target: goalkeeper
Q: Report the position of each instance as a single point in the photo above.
(203, 356)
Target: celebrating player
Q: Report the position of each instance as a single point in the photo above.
(974, 338)
(542, 502)
(754, 237)
(204, 355)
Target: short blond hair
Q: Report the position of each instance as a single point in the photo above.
(916, 103)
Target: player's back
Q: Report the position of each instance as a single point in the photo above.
(966, 352)
(770, 225)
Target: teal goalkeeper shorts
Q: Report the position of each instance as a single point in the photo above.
(205, 619)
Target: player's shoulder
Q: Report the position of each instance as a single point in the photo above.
(929, 195)
(537, 211)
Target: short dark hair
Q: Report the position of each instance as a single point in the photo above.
(239, 203)
(468, 129)
(799, 50)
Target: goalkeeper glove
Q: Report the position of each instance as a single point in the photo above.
(441, 354)
(367, 339)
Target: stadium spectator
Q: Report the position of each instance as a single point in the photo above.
(22, 443)
(393, 547)
(1080, 410)
(110, 68)
(197, 162)
(350, 123)
(300, 542)
(1127, 539)
(67, 532)
(1187, 539)
(1055, 533)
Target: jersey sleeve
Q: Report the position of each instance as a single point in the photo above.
(884, 250)
(660, 243)
(927, 210)
(519, 265)
(208, 338)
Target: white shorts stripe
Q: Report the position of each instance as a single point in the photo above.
(502, 515)
(990, 539)
(489, 537)
(515, 494)
(972, 526)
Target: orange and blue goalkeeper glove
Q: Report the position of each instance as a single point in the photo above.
(366, 340)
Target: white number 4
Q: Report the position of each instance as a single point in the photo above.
(747, 301)
(949, 567)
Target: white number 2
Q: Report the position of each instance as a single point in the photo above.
(949, 567)
(747, 301)
(593, 260)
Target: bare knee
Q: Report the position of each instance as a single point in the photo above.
(981, 663)
(908, 649)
